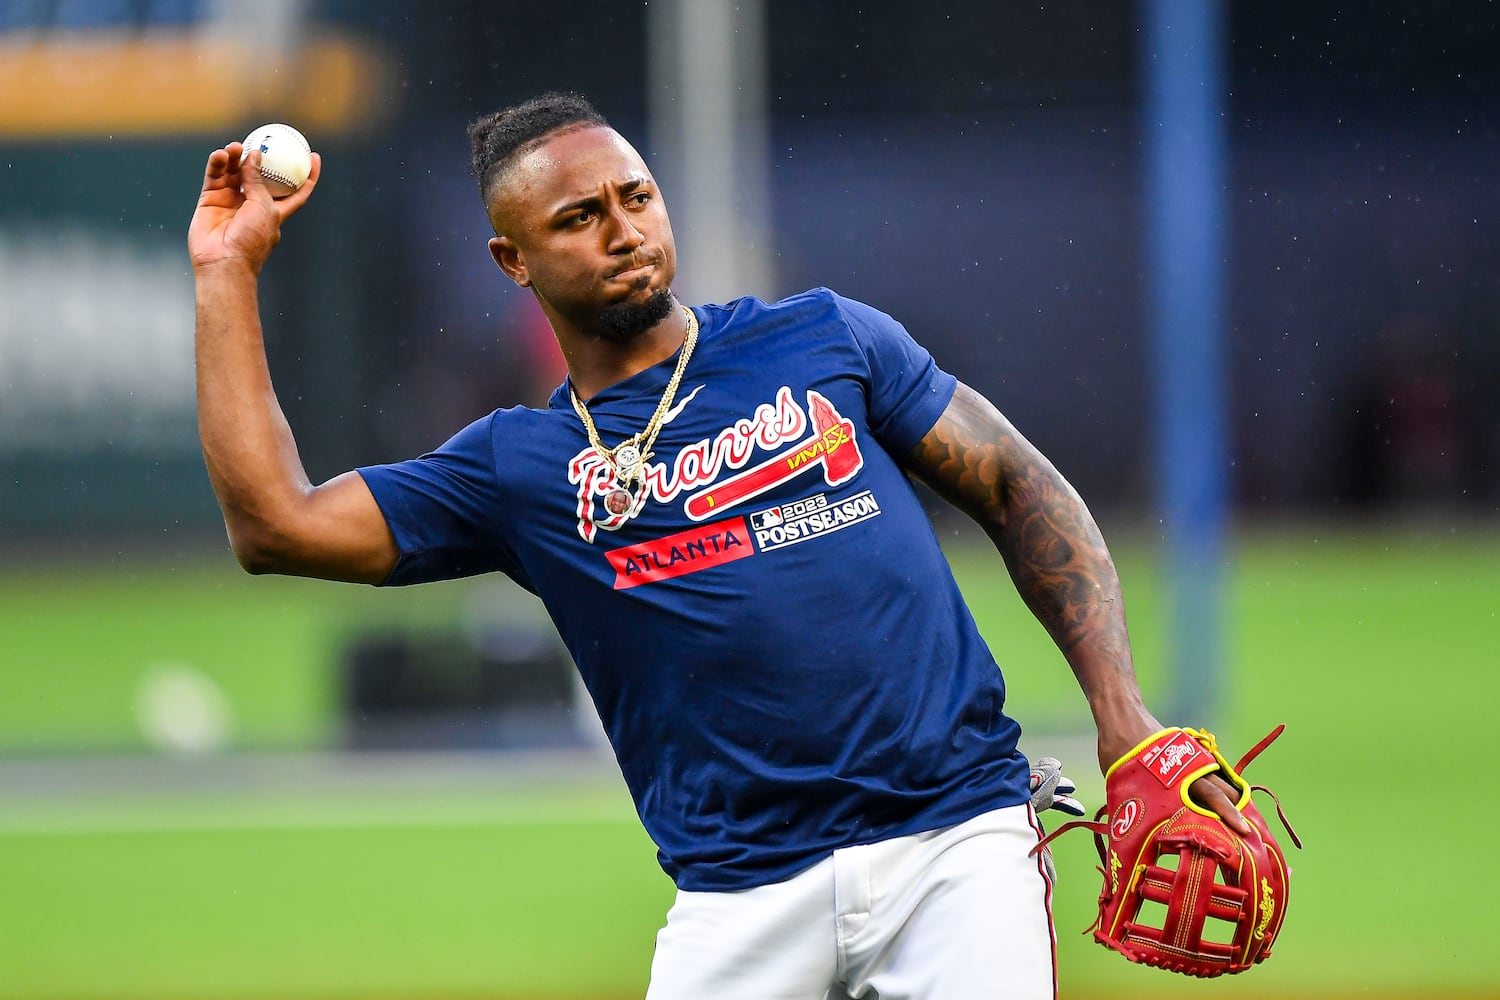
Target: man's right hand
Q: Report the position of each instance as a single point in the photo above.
(277, 521)
(237, 221)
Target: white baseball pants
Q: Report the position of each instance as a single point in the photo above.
(961, 913)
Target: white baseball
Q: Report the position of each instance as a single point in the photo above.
(285, 157)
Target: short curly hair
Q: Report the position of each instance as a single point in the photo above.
(497, 139)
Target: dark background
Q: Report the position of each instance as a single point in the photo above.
(974, 169)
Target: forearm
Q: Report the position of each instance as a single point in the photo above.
(1063, 570)
(248, 446)
(1052, 547)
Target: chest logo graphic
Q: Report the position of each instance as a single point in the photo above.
(831, 446)
(820, 438)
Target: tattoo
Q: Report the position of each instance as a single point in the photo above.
(977, 461)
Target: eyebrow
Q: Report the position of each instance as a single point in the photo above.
(592, 201)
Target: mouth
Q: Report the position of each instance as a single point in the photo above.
(634, 273)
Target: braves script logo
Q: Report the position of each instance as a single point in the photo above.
(1125, 817)
(831, 447)
(1169, 760)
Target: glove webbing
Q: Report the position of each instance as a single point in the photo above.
(1182, 929)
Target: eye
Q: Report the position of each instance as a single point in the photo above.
(582, 217)
(640, 198)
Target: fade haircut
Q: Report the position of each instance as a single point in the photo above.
(497, 140)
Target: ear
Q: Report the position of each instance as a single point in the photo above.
(508, 257)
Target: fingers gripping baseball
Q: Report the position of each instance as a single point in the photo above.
(237, 220)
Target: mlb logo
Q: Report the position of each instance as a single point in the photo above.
(767, 519)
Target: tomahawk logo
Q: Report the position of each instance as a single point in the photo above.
(831, 447)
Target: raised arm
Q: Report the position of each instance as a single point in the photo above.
(1056, 555)
(278, 521)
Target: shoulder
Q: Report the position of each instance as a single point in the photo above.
(816, 306)
(499, 425)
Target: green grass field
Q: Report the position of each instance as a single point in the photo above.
(1379, 651)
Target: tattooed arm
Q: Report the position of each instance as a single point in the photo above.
(977, 461)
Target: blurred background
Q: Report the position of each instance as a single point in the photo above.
(1231, 265)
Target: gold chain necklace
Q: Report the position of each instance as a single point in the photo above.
(627, 460)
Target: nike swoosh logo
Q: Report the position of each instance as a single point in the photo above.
(676, 409)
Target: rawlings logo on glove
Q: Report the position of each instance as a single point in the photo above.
(1218, 897)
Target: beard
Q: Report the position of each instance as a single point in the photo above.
(625, 321)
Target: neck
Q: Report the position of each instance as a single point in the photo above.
(595, 364)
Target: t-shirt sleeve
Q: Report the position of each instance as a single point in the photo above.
(908, 392)
(443, 509)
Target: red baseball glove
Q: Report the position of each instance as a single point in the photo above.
(1182, 891)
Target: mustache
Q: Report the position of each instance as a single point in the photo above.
(656, 257)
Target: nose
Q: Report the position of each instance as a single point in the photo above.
(622, 235)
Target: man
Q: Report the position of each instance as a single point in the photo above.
(714, 508)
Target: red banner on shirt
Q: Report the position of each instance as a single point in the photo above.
(685, 552)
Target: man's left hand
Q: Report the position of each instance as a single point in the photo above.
(1050, 789)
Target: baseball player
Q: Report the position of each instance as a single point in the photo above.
(715, 509)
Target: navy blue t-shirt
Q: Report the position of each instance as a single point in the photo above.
(775, 643)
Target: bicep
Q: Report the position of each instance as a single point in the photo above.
(975, 459)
